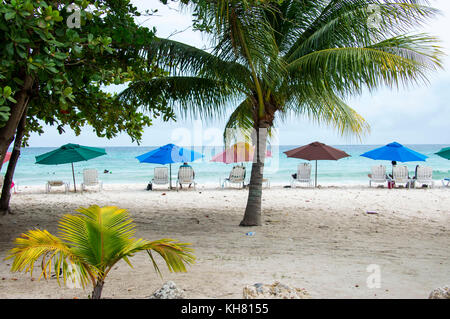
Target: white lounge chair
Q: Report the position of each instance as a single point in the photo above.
(400, 175)
(378, 175)
(90, 178)
(186, 176)
(160, 176)
(303, 175)
(446, 182)
(237, 176)
(50, 184)
(424, 176)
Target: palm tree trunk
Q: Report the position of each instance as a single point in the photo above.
(97, 293)
(252, 216)
(6, 191)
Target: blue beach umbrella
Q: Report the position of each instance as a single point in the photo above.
(169, 154)
(395, 152)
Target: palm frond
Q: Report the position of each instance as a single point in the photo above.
(175, 254)
(346, 23)
(348, 70)
(241, 33)
(194, 96)
(422, 48)
(98, 234)
(240, 123)
(325, 108)
(184, 60)
(35, 244)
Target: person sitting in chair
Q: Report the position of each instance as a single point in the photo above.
(186, 165)
(394, 164)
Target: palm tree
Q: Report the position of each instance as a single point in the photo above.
(291, 58)
(90, 244)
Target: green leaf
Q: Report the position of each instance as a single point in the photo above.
(21, 53)
(52, 69)
(22, 40)
(11, 99)
(60, 55)
(67, 91)
(7, 91)
(10, 15)
(18, 81)
(10, 49)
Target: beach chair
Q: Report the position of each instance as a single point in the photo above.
(186, 176)
(160, 176)
(446, 182)
(50, 184)
(400, 175)
(237, 176)
(378, 175)
(90, 178)
(303, 175)
(424, 176)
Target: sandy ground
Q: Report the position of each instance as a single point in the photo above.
(322, 240)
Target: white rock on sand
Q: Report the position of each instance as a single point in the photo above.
(440, 293)
(310, 238)
(276, 290)
(168, 291)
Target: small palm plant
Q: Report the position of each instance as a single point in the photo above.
(90, 243)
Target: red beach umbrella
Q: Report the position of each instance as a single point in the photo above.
(237, 153)
(317, 152)
(7, 157)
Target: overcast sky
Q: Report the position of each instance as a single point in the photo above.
(419, 115)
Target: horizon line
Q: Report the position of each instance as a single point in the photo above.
(421, 144)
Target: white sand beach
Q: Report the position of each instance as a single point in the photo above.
(322, 240)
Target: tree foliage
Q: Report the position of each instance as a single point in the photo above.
(301, 58)
(70, 67)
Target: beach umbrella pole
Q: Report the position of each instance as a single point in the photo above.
(316, 173)
(74, 183)
(170, 175)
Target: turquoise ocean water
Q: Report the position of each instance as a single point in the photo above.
(126, 169)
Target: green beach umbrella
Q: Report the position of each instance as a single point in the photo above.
(445, 153)
(70, 153)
